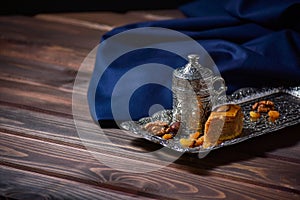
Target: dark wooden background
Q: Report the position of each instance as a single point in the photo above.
(42, 156)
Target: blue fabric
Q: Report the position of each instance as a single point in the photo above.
(254, 43)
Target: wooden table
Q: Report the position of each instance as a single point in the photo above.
(42, 156)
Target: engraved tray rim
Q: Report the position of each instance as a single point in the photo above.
(241, 96)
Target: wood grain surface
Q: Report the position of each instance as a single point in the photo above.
(42, 156)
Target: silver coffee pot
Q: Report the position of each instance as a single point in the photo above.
(194, 94)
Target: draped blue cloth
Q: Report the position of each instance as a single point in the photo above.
(254, 43)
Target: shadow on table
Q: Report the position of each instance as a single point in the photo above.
(276, 145)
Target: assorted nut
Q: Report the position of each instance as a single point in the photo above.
(264, 106)
(162, 129)
(157, 128)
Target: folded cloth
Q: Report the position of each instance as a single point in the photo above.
(254, 43)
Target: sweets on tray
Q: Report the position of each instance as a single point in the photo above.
(224, 123)
(273, 115)
(193, 140)
(264, 106)
(162, 129)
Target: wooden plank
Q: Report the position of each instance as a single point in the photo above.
(52, 128)
(19, 184)
(33, 31)
(60, 39)
(35, 96)
(22, 85)
(109, 20)
(29, 72)
(157, 14)
(175, 181)
(73, 19)
(53, 55)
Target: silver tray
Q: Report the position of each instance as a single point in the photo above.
(287, 102)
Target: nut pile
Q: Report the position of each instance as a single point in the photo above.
(162, 129)
(261, 107)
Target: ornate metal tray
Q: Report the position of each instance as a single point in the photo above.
(287, 102)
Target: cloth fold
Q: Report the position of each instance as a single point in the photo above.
(254, 43)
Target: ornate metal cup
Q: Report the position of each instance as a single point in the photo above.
(193, 93)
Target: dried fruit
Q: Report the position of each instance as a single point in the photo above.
(254, 115)
(194, 140)
(167, 136)
(199, 141)
(194, 135)
(273, 115)
(186, 142)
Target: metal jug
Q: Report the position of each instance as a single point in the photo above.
(193, 88)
